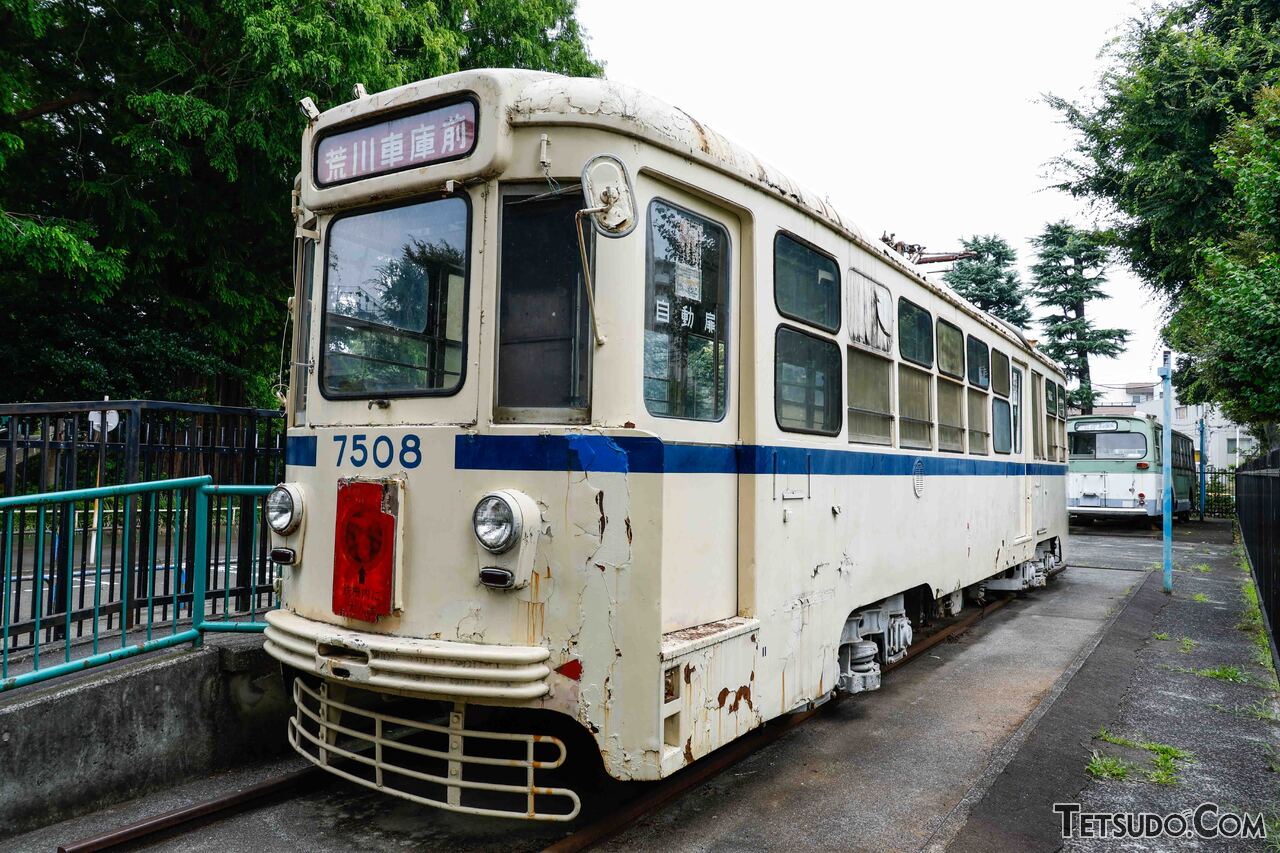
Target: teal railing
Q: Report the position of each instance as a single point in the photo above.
(159, 564)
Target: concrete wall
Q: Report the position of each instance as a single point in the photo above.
(113, 734)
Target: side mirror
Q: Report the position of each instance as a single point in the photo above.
(610, 199)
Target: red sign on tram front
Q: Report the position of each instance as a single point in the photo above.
(404, 142)
(363, 552)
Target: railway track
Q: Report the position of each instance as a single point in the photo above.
(183, 820)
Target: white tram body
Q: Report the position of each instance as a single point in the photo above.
(736, 502)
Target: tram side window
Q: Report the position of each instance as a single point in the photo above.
(1000, 373)
(950, 413)
(1062, 424)
(870, 401)
(1050, 420)
(950, 350)
(978, 431)
(915, 408)
(686, 315)
(1037, 422)
(305, 266)
(1015, 407)
(806, 377)
(1001, 430)
(915, 333)
(395, 301)
(806, 283)
(979, 363)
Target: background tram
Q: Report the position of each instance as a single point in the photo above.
(1116, 468)
(608, 440)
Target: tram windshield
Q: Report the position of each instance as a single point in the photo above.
(395, 291)
(1108, 445)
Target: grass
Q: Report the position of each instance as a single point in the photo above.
(1225, 672)
(1200, 596)
(1252, 624)
(1203, 568)
(1160, 635)
(1222, 672)
(1108, 767)
(1272, 755)
(1258, 710)
(1164, 757)
(1187, 644)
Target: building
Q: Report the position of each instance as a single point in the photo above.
(1226, 442)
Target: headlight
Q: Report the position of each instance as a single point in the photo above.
(284, 508)
(496, 522)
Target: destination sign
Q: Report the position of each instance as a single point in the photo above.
(403, 142)
(1096, 426)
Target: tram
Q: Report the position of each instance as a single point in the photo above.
(1115, 469)
(603, 428)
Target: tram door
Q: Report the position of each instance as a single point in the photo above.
(1021, 447)
(690, 372)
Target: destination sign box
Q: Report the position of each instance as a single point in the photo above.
(403, 142)
(1096, 426)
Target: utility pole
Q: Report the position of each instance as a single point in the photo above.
(1202, 463)
(1166, 471)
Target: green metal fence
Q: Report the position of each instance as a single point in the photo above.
(156, 569)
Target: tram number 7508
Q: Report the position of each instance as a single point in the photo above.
(381, 451)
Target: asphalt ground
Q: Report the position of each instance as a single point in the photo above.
(967, 748)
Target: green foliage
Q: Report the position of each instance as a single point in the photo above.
(1068, 274)
(990, 280)
(1177, 77)
(147, 152)
(1108, 767)
(1180, 145)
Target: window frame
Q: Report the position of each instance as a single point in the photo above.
(891, 415)
(728, 307)
(962, 427)
(1008, 406)
(466, 298)
(937, 350)
(968, 362)
(573, 415)
(930, 399)
(784, 234)
(839, 383)
(902, 300)
(1008, 372)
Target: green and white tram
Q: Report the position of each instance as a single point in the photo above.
(1116, 464)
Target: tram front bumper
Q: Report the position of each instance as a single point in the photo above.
(448, 766)
(433, 669)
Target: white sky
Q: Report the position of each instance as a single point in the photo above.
(919, 117)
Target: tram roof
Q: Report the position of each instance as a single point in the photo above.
(543, 98)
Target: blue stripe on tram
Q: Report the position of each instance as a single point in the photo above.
(648, 455)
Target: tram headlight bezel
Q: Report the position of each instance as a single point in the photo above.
(283, 508)
(499, 508)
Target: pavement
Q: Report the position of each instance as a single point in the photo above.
(967, 748)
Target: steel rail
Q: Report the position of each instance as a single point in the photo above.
(735, 751)
(188, 817)
(178, 820)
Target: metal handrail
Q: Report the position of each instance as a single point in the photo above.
(203, 491)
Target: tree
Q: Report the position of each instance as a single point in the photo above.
(1068, 274)
(1227, 324)
(990, 280)
(1144, 146)
(1179, 146)
(147, 151)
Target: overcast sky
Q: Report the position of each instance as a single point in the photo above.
(921, 118)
